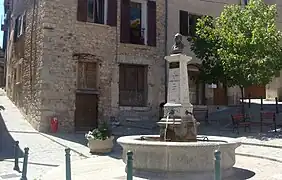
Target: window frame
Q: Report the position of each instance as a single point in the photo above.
(190, 14)
(144, 18)
(19, 25)
(92, 20)
(145, 89)
(82, 75)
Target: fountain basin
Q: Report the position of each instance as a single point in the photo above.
(151, 155)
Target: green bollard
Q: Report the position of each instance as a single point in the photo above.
(129, 165)
(68, 164)
(16, 155)
(24, 172)
(217, 174)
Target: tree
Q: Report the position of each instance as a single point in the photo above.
(241, 47)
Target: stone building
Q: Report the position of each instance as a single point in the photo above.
(2, 68)
(86, 61)
(182, 17)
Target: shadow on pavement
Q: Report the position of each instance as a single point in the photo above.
(6, 142)
(221, 123)
(72, 137)
(237, 174)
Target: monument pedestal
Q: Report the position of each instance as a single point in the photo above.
(179, 123)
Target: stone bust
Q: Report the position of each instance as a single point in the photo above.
(178, 46)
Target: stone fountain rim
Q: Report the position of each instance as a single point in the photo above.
(134, 140)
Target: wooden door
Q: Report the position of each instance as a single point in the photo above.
(219, 96)
(86, 112)
(256, 91)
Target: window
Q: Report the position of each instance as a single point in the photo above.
(18, 74)
(137, 27)
(97, 11)
(188, 23)
(138, 22)
(132, 85)
(87, 75)
(19, 26)
(245, 2)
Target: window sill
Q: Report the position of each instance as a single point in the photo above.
(94, 24)
(138, 46)
(87, 91)
(136, 108)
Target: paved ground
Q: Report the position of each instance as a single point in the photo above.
(106, 168)
(258, 158)
(46, 151)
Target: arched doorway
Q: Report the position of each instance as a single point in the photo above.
(196, 87)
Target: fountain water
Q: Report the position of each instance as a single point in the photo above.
(178, 150)
(165, 136)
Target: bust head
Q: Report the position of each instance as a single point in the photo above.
(177, 38)
(178, 45)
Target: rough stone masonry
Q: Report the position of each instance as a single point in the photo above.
(53, 44)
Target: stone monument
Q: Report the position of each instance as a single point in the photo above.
(179, 123)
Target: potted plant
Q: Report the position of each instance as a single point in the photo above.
(100, 140)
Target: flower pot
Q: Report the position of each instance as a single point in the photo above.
(101, 146)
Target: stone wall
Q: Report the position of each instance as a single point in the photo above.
(24, 55)
(64, 36)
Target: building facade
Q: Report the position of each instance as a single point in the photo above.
(182, 17)
(86, 61)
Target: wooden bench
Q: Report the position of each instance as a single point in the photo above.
(240, 120)
(268, 118)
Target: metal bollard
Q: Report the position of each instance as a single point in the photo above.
(276, 105)
(16, 156)
(217, 158)
(249, 96)
(261, 103)
(68, 164)
(129, 165)
(25, 161)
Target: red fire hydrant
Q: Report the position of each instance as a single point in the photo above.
(54, 124)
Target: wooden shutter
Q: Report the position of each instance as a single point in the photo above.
(24, 22)
(82, 10)
(16, 29)
(112, 13)
(152, 23)
(183, 23)
(125, 21)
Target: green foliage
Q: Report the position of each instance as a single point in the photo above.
(100, 133)
(240, 47)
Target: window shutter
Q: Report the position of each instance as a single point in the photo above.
(183, 23)
(125, 21)
(151, 18)
(24, 22)
(112, 13)
(16, 29)
(82, 10)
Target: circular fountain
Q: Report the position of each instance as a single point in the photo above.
(178, 152)
(188, 159)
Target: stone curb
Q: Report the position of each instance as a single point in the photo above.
(262, 145)
(259, 157)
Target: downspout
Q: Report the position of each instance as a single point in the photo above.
(165, 50)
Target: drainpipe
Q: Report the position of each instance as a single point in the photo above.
(165, 50)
